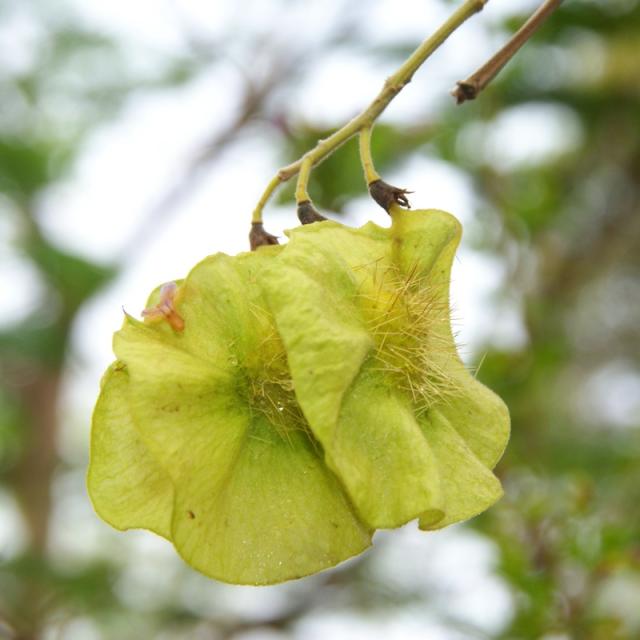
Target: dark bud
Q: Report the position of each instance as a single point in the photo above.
(386, 195)
(465, 91)
(307, 213)
(258, 237)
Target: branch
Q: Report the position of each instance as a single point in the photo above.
(392, 87)
(370, 173)
(470, 88)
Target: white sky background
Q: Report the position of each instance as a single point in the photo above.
(120, 177)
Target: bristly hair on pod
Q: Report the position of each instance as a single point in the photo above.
(269, 384)
(410, 322)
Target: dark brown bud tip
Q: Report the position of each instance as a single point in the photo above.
(258, 237)
(386, 195)
(464, 91)
(307, 213)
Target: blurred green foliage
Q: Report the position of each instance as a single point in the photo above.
(566, 226)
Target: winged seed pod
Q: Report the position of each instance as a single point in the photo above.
(311, 394)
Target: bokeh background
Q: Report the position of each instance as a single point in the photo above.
(135, 138)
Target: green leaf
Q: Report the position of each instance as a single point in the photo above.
(27, 166)
(468, 486)
(425, 246)
(302, 395)
(254, 501)
(74, 278)
(371, 439)
(364, 316)
(127, 486)
(270, 512)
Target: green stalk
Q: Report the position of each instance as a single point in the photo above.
(392, 87)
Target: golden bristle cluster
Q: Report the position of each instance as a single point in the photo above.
(408, 316)
(270, 386)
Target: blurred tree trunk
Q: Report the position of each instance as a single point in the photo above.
(34, 471)
(38, 391)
